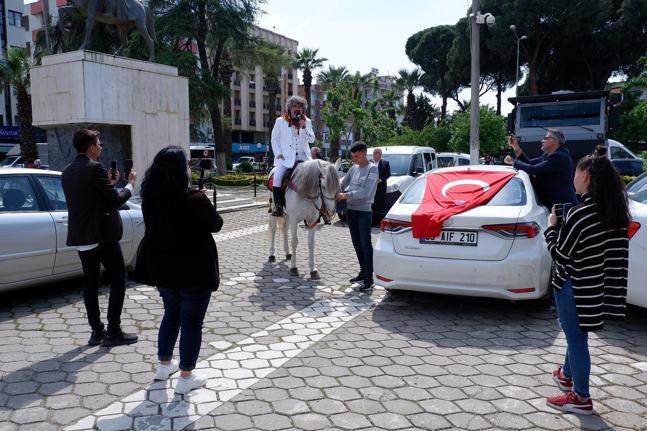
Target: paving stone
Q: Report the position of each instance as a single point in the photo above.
(310, 421)
(429, 421)
(389, 421)
(271, 422)
(350, 421)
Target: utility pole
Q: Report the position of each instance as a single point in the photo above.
(48, 43)
(475, 115)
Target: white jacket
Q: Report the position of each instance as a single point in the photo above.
(291, 142)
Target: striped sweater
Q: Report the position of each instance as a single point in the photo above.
(595, 259)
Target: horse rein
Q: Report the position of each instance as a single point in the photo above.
(321, 210)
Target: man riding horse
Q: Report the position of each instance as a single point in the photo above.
(291, 136)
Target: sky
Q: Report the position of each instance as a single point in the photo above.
(365, 34)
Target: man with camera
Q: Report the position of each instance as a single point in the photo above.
(291, 136)
(95, 228)
(551, 173)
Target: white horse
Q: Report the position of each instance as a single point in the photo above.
(310, 200)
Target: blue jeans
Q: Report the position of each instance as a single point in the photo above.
(577, 363)
(183, 309)
(359, 223)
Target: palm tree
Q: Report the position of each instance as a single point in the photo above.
(333, 77)
(409, 81)
(307, 61)
(14, 71)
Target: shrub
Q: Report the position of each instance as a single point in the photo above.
(246, 167)
(237, 180)
(627, 179)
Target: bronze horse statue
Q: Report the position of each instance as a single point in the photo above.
(123, 14)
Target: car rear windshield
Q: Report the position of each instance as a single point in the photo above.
(399, 163)
(512, 194)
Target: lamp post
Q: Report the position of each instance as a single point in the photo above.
(513, 28)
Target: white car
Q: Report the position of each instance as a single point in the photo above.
(496, 250)
(446, 160)
(636, 286)
(33, 229)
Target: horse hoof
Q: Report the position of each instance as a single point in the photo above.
(314, 275)
(272, 259)
(288, 256)
(294, 272)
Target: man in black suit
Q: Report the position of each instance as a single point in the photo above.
(95, 227)
(384, 172)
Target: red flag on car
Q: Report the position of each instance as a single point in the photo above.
(450, 193)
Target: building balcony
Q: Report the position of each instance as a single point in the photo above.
(237, 122)
(237, 83)
(252, 104)
(236, 102)
(252, 85)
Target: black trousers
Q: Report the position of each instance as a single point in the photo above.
(109, 254)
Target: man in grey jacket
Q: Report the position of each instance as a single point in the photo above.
(360, 184)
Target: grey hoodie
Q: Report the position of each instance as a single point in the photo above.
(361, 184)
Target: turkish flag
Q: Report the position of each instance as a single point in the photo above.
(454, 192)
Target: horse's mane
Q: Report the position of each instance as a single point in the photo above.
(306, 178)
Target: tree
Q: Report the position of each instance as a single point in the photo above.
(429, 49)
(307, 61)
(216, 27)
(14, 71)
(574, 45)
(409, 81)
(491, 136)
(425, 112)
(333, 77)
(336, 112)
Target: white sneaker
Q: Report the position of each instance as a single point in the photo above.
(164, 371)
(186, 384)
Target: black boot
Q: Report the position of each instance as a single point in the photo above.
(277, 211)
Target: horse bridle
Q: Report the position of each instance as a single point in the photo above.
(322, 210)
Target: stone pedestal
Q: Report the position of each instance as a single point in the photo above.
(139, 107)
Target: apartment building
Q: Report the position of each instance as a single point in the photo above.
(12, 34)
(251, 109)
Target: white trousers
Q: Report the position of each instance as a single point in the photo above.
(279, 172)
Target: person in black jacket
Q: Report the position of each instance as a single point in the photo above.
(183, 261)
(384, 172)
(95, 227)
(552, 172)
(591, 253)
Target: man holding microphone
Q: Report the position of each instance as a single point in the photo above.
(291, 136)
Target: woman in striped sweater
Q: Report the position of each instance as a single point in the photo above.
(590, 250)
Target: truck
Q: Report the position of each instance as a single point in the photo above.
(585, 118)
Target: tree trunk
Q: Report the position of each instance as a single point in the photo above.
(410, 117)
(27, 144)
(307, 83)
(443, 109)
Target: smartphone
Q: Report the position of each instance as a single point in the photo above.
(113, 166)
(128, 166)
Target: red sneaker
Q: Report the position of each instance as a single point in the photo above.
(570, 402)
(564, 383)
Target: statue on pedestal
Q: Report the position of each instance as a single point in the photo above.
(123, 14)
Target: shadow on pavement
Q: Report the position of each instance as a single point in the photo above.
(20, 385)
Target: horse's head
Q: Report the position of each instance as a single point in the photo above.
(317, 180)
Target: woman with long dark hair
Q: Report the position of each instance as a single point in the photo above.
(183, 260)
(590, 251)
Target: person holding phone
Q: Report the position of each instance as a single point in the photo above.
(551, 173)
(179, 225)
(291, 136)
(95, 228)
(590, 250)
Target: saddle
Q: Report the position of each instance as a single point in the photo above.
(287, 177)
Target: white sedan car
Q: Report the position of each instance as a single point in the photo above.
(33, 229)
(495, 250)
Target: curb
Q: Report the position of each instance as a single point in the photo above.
(242, 207)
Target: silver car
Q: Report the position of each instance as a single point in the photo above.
(33, 229)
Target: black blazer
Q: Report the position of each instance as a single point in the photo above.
(383, 170)
(92, 203)
(181, 251)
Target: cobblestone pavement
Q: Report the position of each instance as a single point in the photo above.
(289, 353)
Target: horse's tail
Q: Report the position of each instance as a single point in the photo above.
(150, 23)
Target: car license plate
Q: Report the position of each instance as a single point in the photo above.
(454, 237)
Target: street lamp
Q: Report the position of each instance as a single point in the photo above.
(519, 39)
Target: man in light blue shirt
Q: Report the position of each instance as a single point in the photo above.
(360, 184)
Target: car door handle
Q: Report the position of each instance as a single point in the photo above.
(62, 220)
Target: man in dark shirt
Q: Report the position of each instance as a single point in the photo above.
(552, 172)
(384, 172)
